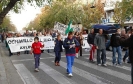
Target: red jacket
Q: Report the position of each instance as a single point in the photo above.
(37, 47)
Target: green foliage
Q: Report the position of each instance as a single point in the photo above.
(63, 11)
(19, 5)
(122, 11)
(7, 24)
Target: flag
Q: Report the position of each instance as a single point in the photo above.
(69, 28)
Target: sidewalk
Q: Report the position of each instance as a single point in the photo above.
(8, 73)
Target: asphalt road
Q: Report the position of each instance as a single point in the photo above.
(84, 72)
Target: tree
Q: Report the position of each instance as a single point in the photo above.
(7, 24)
(16, 5)
(122, 11)
(93, 14)
(61, 11)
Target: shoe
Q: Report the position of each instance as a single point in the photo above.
(76, 55)
(120, 64)
(114, 64)
(123, 60)
(92, 61)
(105, 65)
(37, 70)
(99, 64)
(70, 75)
(58, 64)
(129, 62)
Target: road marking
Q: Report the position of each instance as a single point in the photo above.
(105, 70)
(91, 77)
(32, 59)
(25, 74)
(61, 79)
(122, 67)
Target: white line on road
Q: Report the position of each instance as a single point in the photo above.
(105, 70)
(33, 59)
(91, 77)
(61, 79)
(25, 74)
(122, 67)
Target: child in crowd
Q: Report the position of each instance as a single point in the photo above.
(36, 50)
(58, 50)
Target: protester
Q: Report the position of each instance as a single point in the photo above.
(77, 37)
(26, 35)
(84, 32)
(18, 35)
(7, 46)
(90, 40)
(81, 43)
(126, 36)
(115, 43)
(58, 50)
(36, 50)
(99, 42)
(129, 43)
(69, 44)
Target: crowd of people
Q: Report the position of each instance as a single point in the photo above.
(73, 45)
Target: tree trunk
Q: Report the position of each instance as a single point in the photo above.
(10, 5)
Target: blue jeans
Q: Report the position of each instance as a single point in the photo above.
(119, 51)
(70, 61)
(57, 57)
(131, 73)
(37, 60)
(126, 55)
(101, 56)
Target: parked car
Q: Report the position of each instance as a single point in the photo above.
(108, 47)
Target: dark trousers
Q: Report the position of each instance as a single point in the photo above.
(103, 56)
(57, 57)
(132, 73)
(37, 60)
(80, 50)
(10, 53)
(26, 52)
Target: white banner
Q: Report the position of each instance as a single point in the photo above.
(24, 43)
(60, 27)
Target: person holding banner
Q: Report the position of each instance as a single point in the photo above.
(36, 50)
(69, 44)
(18, 35)
(10, 53)
(58, 50)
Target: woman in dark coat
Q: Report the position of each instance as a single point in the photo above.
(58, 50)
(129, 43)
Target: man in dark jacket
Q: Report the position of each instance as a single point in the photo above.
(129, 43)
(90, 40)
(69, 44)
(116, 47)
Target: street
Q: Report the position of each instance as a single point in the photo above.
(84, 72)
